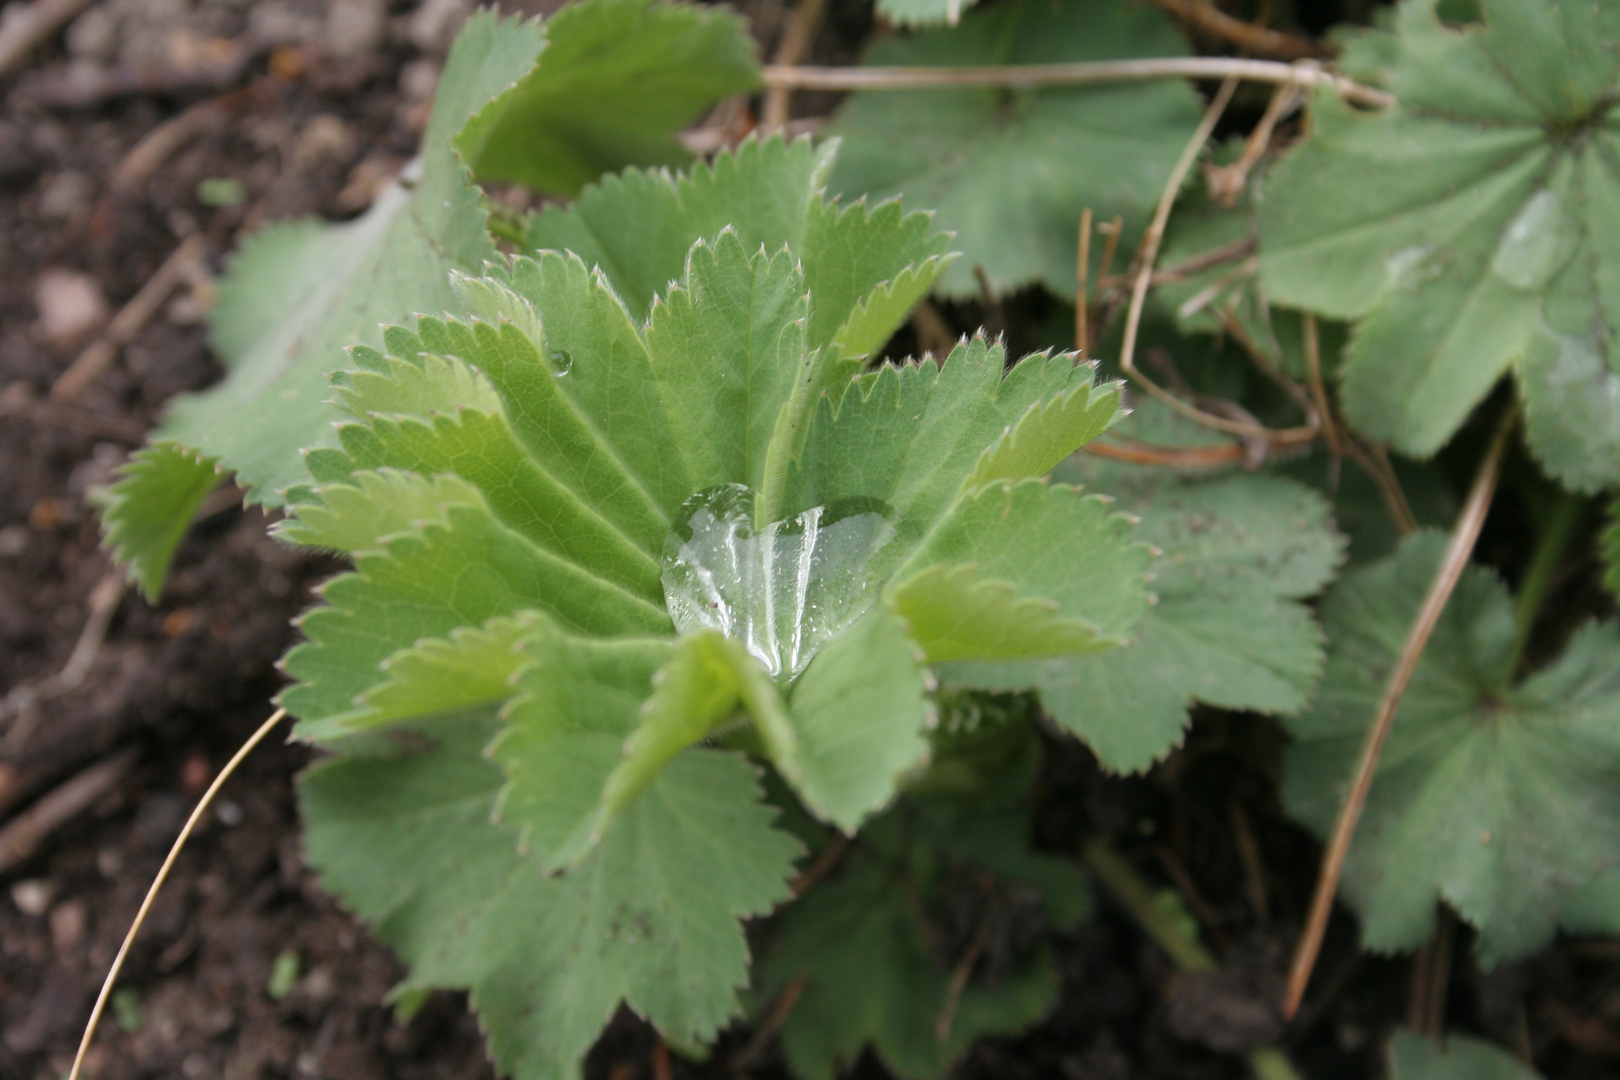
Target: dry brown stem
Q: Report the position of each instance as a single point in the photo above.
(22, 835)
(157, 884)
(794, 47)
(28, 27)
(1031, 76)
(127, 325)
(1463, 538)
(1255, 39)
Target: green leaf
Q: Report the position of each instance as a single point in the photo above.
(860, 712)
(618, 79)
(865, 268)
(1011, 170)
(955, 612)
(914, 437)
(1502, 800)
(652, 919)
(1457, 1057)
(369, 505)
(297, 295)
(1026, 534)
(1611, 550)
(868, 942)
(150, 507)
(1235, 556)
(462, 570)
(1471, 229)
(475, 667)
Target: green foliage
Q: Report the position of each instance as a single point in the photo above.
(1412, 1057)
(1234, 557)
(298, 294)
(618, 78)
(634, 533)
(923, 12)
(1010, 171)
(146, 513)
(1500, 799)
(873, 950)
(1471, 229)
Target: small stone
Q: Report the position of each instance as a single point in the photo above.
(13, 541)
(418, 79)
(68, 921)
(433, 25)
(324, 138)
(353, 28)
(71, 306)
(32, 896)
(65, 195)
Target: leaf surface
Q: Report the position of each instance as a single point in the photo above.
(148, 510)
(652, 919)
(1500, 800)
(1010, 171)
(867, 942)
(1471, 229)
(618, 79)
(1235, 556)
(1412, 1057)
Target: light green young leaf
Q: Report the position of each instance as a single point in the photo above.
(914, 437)
(462, 570)
(357, 513)
(1026, 533)
(955, 611)
(617, 80)
(860, 712)
(1501, 800)
(1235, 556)
(865, 268)
(474, 668)
(1471, 228)
(867, 942)
(1010, 171)
(1457, 1057)
(149, 509)
(650, 920)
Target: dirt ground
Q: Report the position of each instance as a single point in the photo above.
(151, 121)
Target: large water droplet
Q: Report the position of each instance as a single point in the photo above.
(561, 363)
(782, 591)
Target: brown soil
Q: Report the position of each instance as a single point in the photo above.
(316, 110)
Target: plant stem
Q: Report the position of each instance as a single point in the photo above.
(1136, 897)
(1550, 547)
(1463, 538)
(162, 876)
(1030, 76)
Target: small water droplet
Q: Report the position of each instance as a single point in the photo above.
(561, 363)
(784, 590)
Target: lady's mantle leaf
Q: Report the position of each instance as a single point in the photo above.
(923, 12)
(1010, 171)
(298, 294)
(1236, 555)
(1472, 228)
(149, 510)
(866, 267)
(1502, 801)
(618, 79)
(651, 919)
(1412, 1057)
(876, 950)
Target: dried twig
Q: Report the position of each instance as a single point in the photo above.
(23, 834)
(18, 401)
(964, 967)
(1116, 448)
(127, 325)
(794, 47)
(1313, 369)
(1030, 76)
(1226, 182)
(1255, 39)
(1082, 286)
(824, 862)
(1144, 276)
(781, 1009)
(157, 884)
(1463, 538)
(104, 601)
(29, 26)
(1431, 979)
(1254, 867)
